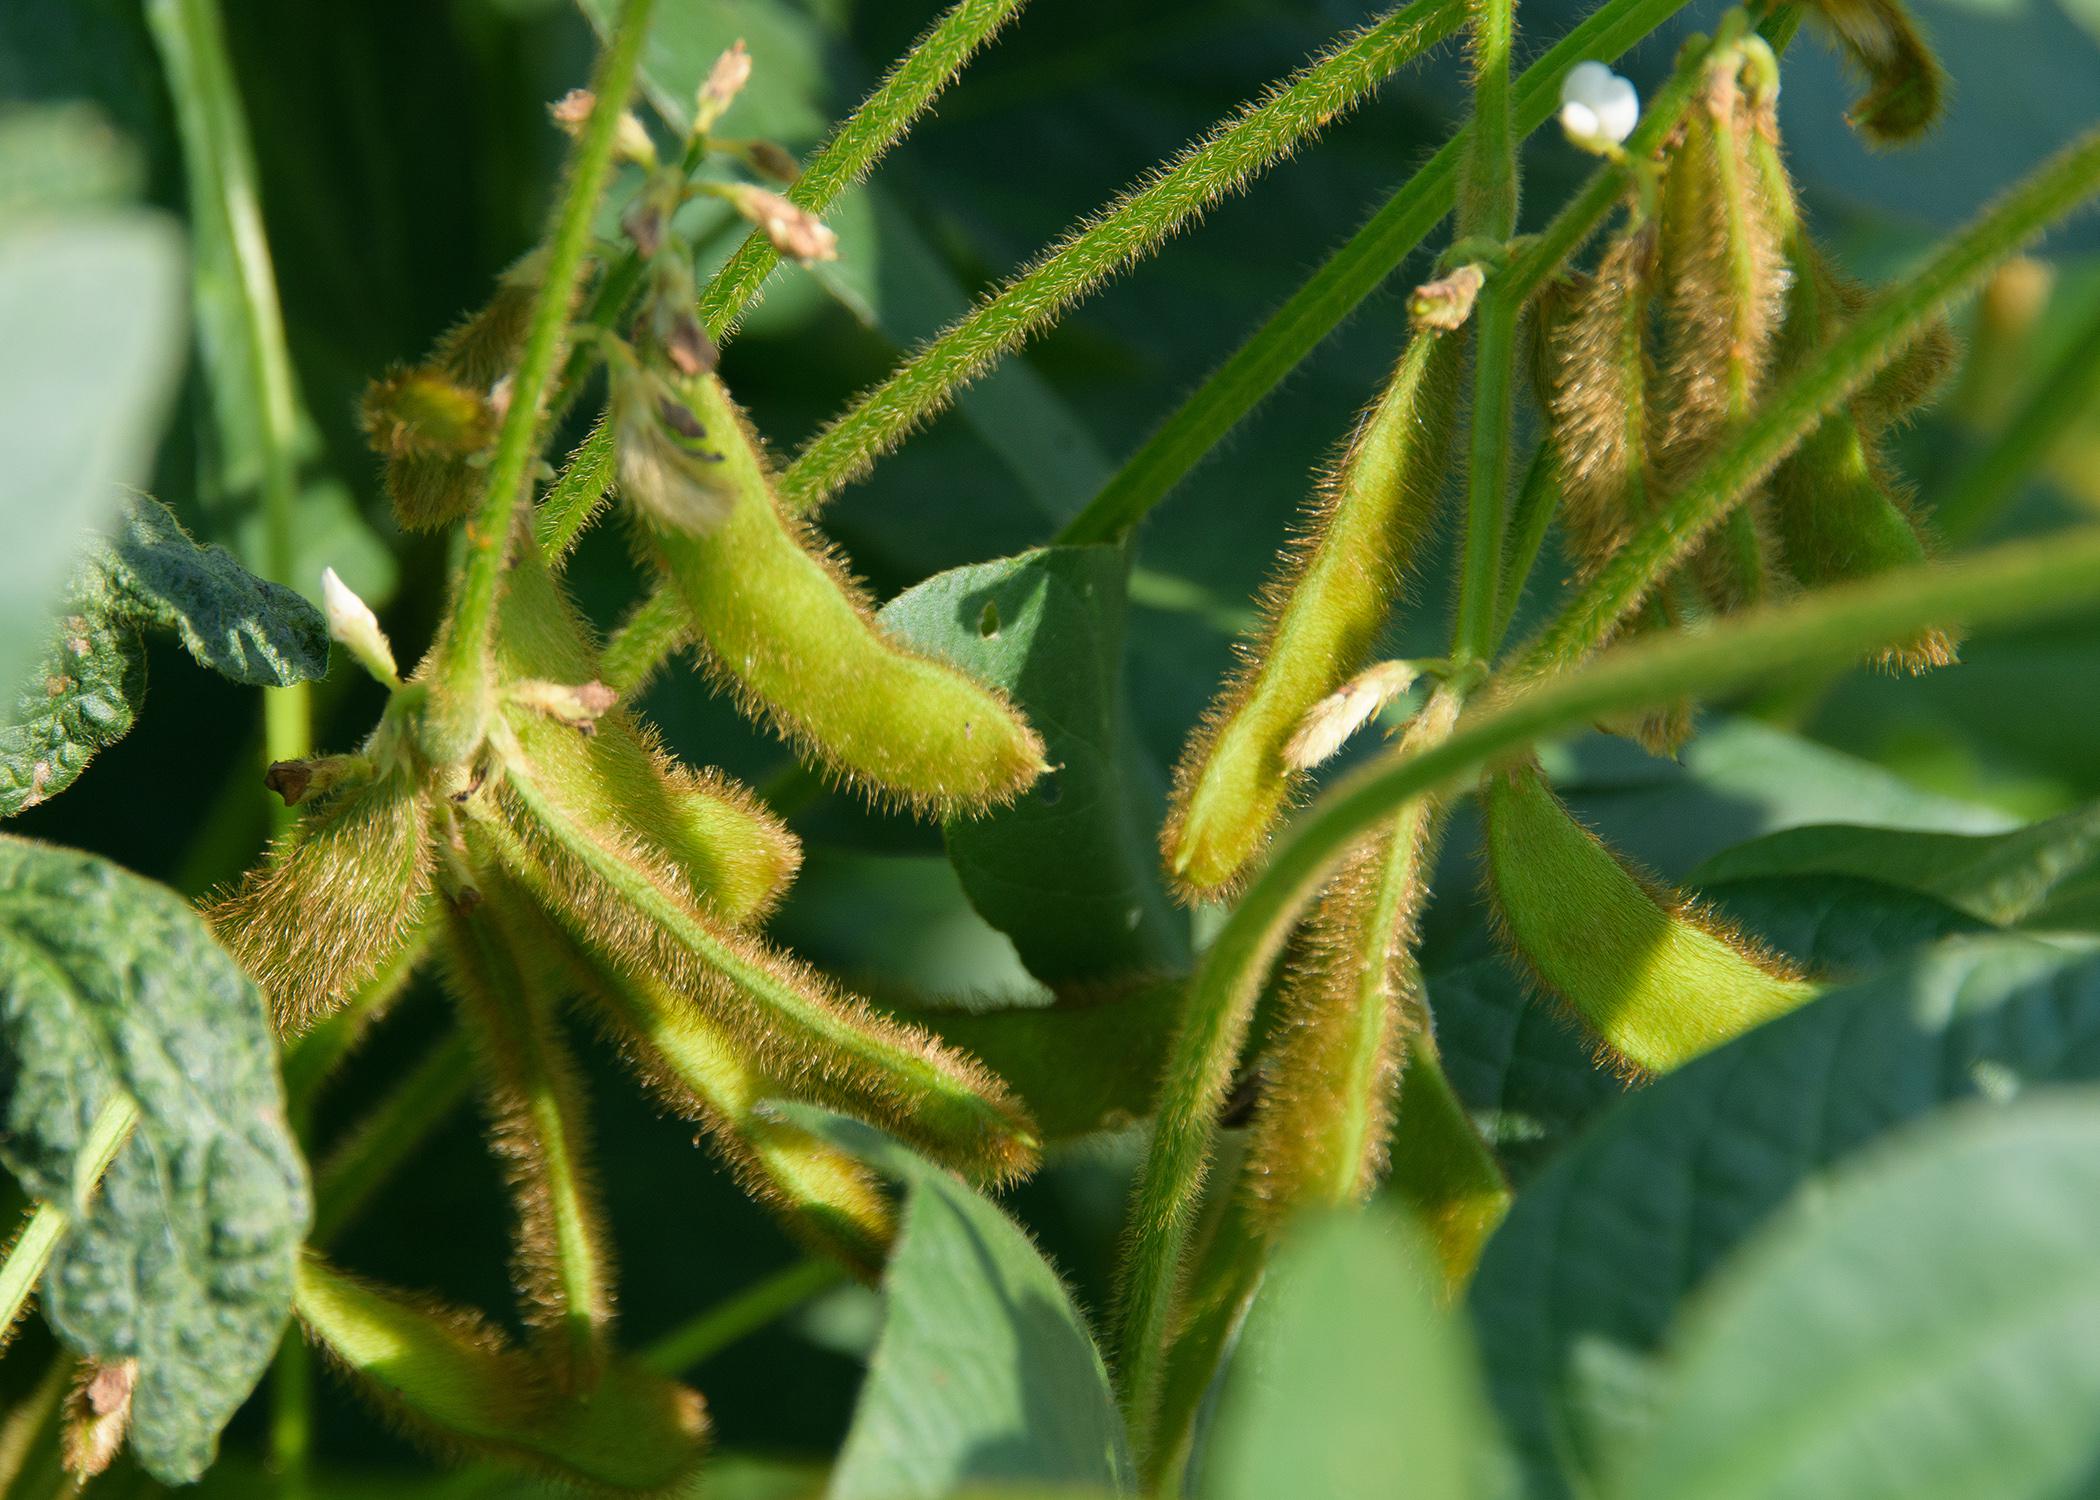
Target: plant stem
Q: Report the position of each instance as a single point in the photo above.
(1487, 485)
(701, 1338)
(1792, 409)
(1487, 189)
(47, 1223)
(220, 163)
(2068, 390)
(1350, 274)
(1129, 229)
(1537, 499)
(464, 671)
(882, 119)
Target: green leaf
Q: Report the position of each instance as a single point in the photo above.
(111, 989)
(1070, 872)
(1576, 1291)
(1928, 1327)
(1350, 1380)
(985, 1371)
(1997, 878)
(90, 344)
(86, 691)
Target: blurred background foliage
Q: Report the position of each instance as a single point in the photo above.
(405, 158)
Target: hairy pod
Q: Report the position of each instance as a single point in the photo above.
(736, 858)
(793, 637)
(451, 1380)
(539, 1132)
(1350, 1008)
(1599, 376)
(337, 900)
(1321, 617)
(827, 1199)
(1654, 978)
(624, 901)
(1905, 83)
(1723, 289)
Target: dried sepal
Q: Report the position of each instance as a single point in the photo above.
(538, 1130)
(337, 900)
(1322, 613)
(454, 1382)
(1445, 303)
(794, 638)
(718, 90)
(1906, 85)
(795, 232)
(98, 1411)
(1654, 977)
(622, 899)
(296, 780)
(579, 705)
(1328, 724)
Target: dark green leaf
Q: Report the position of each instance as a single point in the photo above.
(1577, 1289)
(111, 988)
(85, 693)
(1070, 871)
(1997, 877)
(985, 1371)
(1928, 1327)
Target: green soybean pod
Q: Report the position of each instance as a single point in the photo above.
(736, 856)
(1653, 977)
(338, 899)
(786, 629)
(463, 1389)
(1321, 617)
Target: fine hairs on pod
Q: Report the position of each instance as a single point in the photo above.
(1322, 614)
(1655, 979)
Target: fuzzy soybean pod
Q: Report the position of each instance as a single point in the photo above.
(1321, 617)
(1349, 1009)
(737, 858)
(699, 1069)
(614, 893)
(455, 1383)
(1723, 279)
(786, 629)
(339, 897)
(1653, 977)
(539, 1131)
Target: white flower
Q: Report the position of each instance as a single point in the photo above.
(351, 621)
(1597, 105)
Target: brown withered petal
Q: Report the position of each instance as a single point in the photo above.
(97, 1414)
(795, 232)
(1448, 301)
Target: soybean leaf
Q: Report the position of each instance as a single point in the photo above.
(1998, 878)
(1930, 1327)
(985, 1372)
(112, 990)
(1351, 1380)
(1577, 1289)
(85, 692)
(90, 344)
(1070, 871)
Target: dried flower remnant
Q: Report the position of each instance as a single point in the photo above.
(724, 81)
(795, 232)
(1327, 726)
(97, 1415)
(353, 626)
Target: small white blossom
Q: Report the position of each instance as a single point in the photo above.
(1597, 105)
(351, 622)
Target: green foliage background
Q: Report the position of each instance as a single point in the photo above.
(405, 158)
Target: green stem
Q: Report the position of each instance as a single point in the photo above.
(292, 1418)
(2066, 392)
(48, 1222)
(1350, 274)
(191, 38)
(1537, 499)
(1487, 189)
(867, 134)
(695, 1342)
(1792, 408)
(2012, 583)
(392, 1132)
(1129, 229)
(1487, 485)
(464, 672)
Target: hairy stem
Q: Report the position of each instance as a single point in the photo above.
(1350, 274)
(694, 1342)
(47, 1223)
(1487, 189)
(391, 1133)
(465, 673)
(1792, 408)
(1487, 483)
